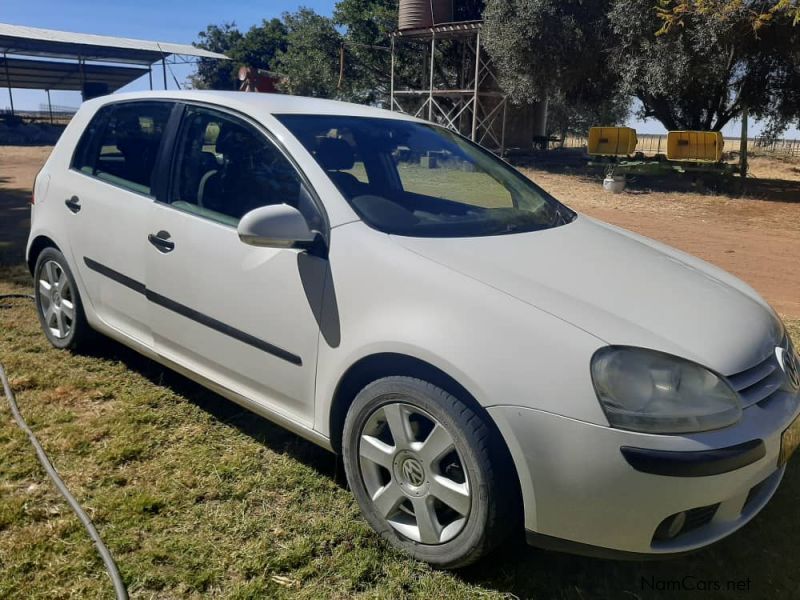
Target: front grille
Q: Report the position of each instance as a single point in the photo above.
(697, 517)
(758, 383)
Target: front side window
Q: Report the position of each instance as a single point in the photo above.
(225, 168)
(416, 179)
(121, 144)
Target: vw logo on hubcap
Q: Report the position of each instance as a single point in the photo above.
(413, 472)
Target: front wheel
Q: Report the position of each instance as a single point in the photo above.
(423, 468)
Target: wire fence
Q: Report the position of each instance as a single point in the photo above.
(651, 144)
(59, 115)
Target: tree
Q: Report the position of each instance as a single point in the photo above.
(310, 62)
(696, 76)
(674, 12)
(261, 44)
(216, 74)
(368, 24)
(257, 48)
(703, 74)
(556, 49)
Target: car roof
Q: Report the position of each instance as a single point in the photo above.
(258, 103)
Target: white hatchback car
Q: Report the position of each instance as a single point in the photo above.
(484, 358)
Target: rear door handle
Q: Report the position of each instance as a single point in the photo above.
(161, 241)
(74, 204)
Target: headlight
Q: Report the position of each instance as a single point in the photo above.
(649, 391)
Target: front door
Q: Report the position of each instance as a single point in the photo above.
(107, 194)
(239, 315)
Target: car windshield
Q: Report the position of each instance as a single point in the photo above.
(415, 179)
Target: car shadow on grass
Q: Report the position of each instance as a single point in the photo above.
(256, 427)
(759, 559)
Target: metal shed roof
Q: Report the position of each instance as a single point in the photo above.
(32, 41)
(52, 75)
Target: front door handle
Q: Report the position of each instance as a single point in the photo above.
(161, 241)
(74, 204)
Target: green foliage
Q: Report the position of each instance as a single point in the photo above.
(761, 12)
(304, 48)
(256, 48)
(697, 76)
(368, 24)
(310, 63)
(555, 49)
(215, 74)
(703, 74)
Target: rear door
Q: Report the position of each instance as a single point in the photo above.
(242, 316)
(107, 196)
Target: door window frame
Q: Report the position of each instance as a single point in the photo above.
(165, 174)
(103, 115)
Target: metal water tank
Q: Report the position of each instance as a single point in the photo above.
(418, 14)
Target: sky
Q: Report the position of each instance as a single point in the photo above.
(177, 21)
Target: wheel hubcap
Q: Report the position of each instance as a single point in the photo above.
(414, 474)
(56, 300)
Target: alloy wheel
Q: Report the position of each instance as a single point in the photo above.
(414, 474)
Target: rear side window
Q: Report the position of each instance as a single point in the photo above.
(121, 144)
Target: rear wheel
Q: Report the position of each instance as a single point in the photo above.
(421, 466)
(58, 303)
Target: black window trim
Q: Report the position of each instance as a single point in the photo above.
(167, 160)
(103, 113)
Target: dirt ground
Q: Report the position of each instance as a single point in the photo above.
(18, 168)
(755, 234)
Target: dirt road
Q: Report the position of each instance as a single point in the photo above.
(756, 237)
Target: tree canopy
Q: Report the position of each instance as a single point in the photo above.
(257, 47)
(760, 12)
(698, 75)
(692, 64)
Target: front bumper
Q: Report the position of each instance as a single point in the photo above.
(581, 493)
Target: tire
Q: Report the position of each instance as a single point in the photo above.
(412, 492)
(58, 302)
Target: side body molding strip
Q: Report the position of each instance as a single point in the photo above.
(192, 314)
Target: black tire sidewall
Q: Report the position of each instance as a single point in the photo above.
(471, 541)
(79, 325)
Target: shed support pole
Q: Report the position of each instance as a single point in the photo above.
(391, 80)
(164, 70)
(49, 107)
(8, 82)
(430, 83)
(474, 135)
(83, 78)
(743, 145)
(150, 76)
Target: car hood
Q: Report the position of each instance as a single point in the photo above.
(620, 287)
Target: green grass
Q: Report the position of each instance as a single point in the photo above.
(449, 182)
(196, 497)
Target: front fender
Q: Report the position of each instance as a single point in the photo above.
(501, 350)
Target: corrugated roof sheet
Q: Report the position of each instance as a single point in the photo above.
(52, 75)
(32, 41)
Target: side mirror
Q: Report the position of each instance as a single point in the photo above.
(275, 226)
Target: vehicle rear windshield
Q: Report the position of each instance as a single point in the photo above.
(415, 179)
